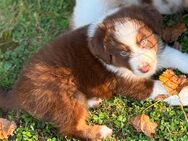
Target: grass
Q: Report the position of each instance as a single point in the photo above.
(27, 25)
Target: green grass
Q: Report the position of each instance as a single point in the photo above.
(27, 25)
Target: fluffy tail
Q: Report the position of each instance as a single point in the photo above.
(6, 100)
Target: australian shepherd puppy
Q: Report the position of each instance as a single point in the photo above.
(115, 55)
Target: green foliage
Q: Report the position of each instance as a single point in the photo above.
(27, 25)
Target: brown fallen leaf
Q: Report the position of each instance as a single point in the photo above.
(172, 82)
(143, 124)
(172, 33)
(161, 97)
(6, 128)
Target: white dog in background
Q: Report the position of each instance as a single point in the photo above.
(89, 11)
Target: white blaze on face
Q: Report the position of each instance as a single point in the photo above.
(126, 33)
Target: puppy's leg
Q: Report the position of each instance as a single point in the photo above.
(73, 122)
(142, 89)
(180, 99)
(172, 58)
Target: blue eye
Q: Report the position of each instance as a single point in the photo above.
(124, 53)
(143, 42)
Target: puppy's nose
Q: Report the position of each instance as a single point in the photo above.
(145, 67)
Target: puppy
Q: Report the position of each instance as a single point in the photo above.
(86, 12)
(116, 55)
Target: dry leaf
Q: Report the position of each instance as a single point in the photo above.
(172, 33)
(172, 82)
(6, 128)
(161, 97)
(143, 124)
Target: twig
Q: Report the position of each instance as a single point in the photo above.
(181, 106)
(151, 106)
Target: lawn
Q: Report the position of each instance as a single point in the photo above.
(27, 25)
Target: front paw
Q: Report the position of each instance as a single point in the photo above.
(180, 99)
(93, 102)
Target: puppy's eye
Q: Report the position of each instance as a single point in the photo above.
(124, 53)
(143, 42)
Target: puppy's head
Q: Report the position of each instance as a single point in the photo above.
(128, 40)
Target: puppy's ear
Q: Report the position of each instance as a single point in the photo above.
(97, 44)
(153, 18)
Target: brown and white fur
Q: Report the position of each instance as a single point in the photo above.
(117, 55)
(89, 11)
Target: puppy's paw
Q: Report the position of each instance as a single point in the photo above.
(181, 99)
(93, 102)
(100, 132)
(105, 132)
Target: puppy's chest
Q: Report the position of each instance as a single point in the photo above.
(105, 90)
(97, 85)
